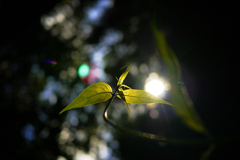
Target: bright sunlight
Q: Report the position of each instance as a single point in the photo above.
(154, 85)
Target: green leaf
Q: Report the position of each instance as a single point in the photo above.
(123, 76)
(141, 97)
(179, 94)
(122, 96)
(167, 54)
(95, 93)
(123, 85)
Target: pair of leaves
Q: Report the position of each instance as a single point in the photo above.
(179, 95)
(101, 92)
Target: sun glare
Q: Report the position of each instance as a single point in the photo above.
(154, 85)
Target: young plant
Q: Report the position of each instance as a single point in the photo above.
(101, 92)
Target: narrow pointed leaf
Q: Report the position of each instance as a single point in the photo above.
(123, 85)
(123, 76)
(179, 95)
(167, 54)
(141, 97)
(95, 93)
(122, 96)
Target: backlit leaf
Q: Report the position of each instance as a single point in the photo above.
(122, 96)
(141, 97)
(95, 93)
(123, 85)
(123, 76)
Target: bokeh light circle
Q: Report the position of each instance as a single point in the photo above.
(88, 72)
(83, 70)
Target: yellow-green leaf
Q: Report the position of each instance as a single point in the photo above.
(123, 85)
(141, 97)
(123, 76)
(122, 96)
(95, 93)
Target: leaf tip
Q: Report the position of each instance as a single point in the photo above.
(170, 104)
(128, 107)
(125, 66)
(62, 111)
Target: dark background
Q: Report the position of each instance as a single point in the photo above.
(204, 36)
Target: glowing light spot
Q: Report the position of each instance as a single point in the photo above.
(112, 37)
(73, 121)
(83, 70)
(82, 155)
(72, 72)
(141, 109)
(28, 132)
(81, 135)
(154, 87)
(52, 99)
(69, 150)
(61, 158)
(63, 75)
(47, 22)
(133, 69)
(64, 136)
(104, 151)
(105, 3)
(151, 105)
(60, 17)
(154, 114)
(94, 14)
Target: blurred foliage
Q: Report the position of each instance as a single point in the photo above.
(179, 94)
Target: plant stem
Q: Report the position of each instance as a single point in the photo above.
(154, 137)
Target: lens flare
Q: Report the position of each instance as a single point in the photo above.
(49, 61)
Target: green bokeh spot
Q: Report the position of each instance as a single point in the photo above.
(83, 70)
